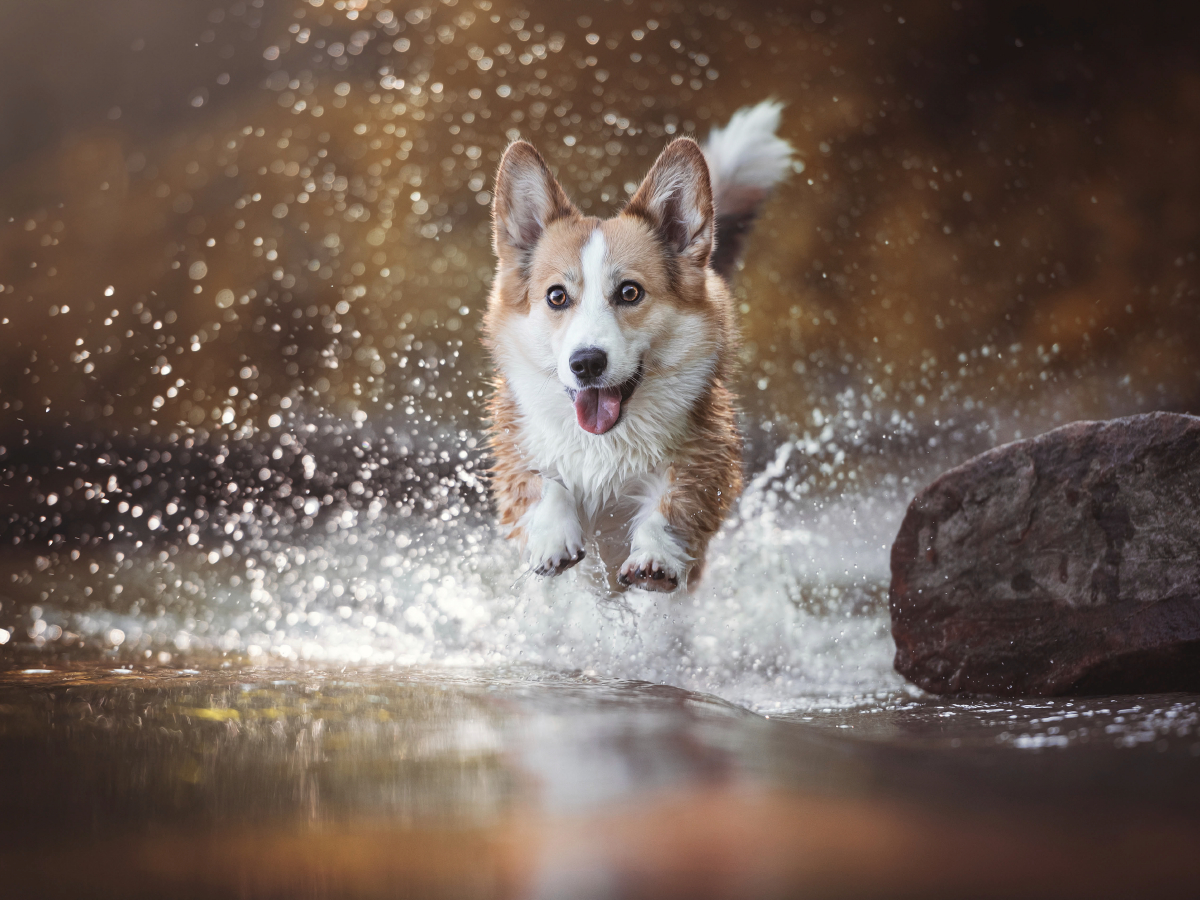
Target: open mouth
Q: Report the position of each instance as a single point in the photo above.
(598, 409)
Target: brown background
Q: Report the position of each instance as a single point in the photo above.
(995, 225)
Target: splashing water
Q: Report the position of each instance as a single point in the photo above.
(790, 607)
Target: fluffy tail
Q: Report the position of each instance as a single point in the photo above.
(746, 159)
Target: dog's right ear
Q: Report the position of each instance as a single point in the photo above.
(527, 200)
(676, 200)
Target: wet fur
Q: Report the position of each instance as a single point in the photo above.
(671, 468)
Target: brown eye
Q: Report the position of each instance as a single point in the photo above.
(631, 292)
(556, 297)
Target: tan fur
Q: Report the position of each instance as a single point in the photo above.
(515, 486)
(704, 468)
(707, 479)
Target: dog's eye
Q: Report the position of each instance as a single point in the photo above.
(556, 297)
(631, 292)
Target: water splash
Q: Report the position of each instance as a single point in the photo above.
(792, 603)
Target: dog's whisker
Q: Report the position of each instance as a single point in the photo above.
(551, 375)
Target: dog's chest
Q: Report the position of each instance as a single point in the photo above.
(598, 470)
(599, 475)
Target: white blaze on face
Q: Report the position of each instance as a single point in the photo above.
(593, 319)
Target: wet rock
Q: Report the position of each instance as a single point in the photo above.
(1067, 563)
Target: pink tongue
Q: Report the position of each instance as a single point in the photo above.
(597, 409)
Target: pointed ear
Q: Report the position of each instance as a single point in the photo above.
(676, 199)
(527, 200)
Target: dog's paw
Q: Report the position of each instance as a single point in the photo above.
(558, 562)
(643, 571)
(657, 559)
(555, 538)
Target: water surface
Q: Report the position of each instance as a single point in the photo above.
(527, 783)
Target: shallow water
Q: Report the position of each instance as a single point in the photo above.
(522, 782)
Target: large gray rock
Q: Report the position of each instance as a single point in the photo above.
(1067, 563)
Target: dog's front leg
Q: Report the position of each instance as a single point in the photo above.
(658, 559)
(553, 534)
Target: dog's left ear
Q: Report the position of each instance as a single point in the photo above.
(527, 200)
(676, 199)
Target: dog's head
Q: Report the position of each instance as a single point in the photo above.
(598, 309)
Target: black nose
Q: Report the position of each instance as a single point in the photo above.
(589, 362)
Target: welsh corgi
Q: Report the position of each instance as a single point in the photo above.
(613, 342)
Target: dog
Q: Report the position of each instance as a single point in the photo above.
(613, 343)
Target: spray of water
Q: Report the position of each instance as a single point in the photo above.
(791, 606)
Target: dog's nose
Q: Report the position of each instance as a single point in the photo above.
(589, 362)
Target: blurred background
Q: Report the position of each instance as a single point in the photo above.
(216, 217)
(244, 251)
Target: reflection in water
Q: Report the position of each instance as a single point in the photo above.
(517, 782)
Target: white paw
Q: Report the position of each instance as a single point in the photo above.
(554, 537)
(642, 570)
(553, 554)
(656, 561)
